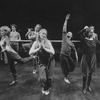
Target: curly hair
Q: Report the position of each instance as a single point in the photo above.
(6, 30)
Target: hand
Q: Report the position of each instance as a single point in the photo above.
(86, 27)
(67, 16)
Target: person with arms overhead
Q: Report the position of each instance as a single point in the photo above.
(32, 35)
(67, 62)
(88, 60)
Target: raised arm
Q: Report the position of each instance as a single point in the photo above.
(65, 23)
(82, 33)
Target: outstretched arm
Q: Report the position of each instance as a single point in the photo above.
(65, 23)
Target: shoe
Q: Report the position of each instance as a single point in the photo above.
(45, 92)
(13, 82)
(15, 62)
(66, 80)
(89, 89)
(34, 71)
(84, 91)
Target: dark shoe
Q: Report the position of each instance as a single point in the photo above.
(14, 82)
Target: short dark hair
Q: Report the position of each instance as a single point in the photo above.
(14, 25)
(39, 26)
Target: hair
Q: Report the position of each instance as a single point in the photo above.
(39, 26)
(14, 25)
(87, 34)
(92, 26)
(6, 29)
(43, 31)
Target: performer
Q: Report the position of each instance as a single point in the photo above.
(32, 35)
(45, 51)
(67, 62)
(12, 55)
(88, 61)
(14, 35)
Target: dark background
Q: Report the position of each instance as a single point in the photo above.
(50, 14)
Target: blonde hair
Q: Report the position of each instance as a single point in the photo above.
(43, 31)
(6, 29)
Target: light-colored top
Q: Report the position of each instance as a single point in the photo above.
(5, 44)
(14, 36)
(32, 35)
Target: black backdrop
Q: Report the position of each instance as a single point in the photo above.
(50, 14)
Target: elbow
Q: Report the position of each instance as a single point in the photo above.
(30, 52)
(53, 52)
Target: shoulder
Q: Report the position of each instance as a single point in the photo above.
(48, 41)
(17, 33)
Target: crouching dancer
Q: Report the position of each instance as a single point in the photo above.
(45, 51)
(12, 55)
(88, 61)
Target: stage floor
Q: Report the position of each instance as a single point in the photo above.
(28, 87)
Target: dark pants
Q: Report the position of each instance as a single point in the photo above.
(49, 71)
(15, 46)
(27, 46)
(12, 57)
(67, 64)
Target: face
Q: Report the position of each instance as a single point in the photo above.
(69, 35)
(13, 28)
(43, 35)
(92, 29)
(37, 28)
(2, 32)
(90, 34)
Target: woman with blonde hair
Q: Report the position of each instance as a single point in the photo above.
(46, 52)
(12, 55)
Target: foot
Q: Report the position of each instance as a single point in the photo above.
(34, 71)
(45, 92)
(84, 91)
(66, 80)
(15, 62)
(13, 82)
(89, 89)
